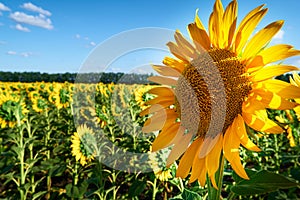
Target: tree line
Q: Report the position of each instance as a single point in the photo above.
(85, 77)
(74, 77)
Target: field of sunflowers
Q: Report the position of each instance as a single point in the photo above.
(49, 148)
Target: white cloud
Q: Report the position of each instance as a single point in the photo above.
(31, 7)
(77, 36)
(22, 28)
(86, 38)
(11, 53)
(23, 54)
(4, 7)
(93, 44)
(26, 54)
(279, 35)
(40, 20)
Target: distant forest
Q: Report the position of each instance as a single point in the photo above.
(72, 77)
(85, 78)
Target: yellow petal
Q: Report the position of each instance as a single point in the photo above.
(215, 25)
(165, 137)
(250, 15)
(281, 88)
(231, 150)
(187, 159)
(198, 169)
(162, 91)
(272, 54)
(156, 107)
(260, 39)
(176, 64)
(177, 51)
(163, 80)
(269, 72)
(199, 36)
(186, 48)
(166, 71)
(295, 80)
(198, 21)
(208, 144)
(229, 22)
(261, 123)
(242, 134)
(212, 160)
(246, 28)
(160, 99)
(180, 146)
(271, 100)
(155, 122)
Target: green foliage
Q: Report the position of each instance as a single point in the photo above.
(37, 160)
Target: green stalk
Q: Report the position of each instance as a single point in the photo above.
(48, 156)
(76, 174)
(213, 193)
(154, 189)
(276, 153)
(30, 134)
(22, 153)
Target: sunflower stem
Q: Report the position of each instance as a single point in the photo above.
(213, 193)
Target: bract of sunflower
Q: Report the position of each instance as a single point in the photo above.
(12, 109)
(83, 145)
(216, 87)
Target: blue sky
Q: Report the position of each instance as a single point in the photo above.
(58, 36)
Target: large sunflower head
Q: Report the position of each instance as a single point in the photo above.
(83, 145)
(215, 88)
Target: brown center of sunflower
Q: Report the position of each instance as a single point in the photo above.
(202, 85)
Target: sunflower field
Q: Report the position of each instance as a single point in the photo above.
(49, 148)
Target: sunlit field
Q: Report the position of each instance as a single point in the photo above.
(43, 154)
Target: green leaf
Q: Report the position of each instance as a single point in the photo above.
(136, 188)
(83, 187)
(72, 191)
(190, 195)
(75, 191)
(187, 195)
(295, 172)
(37, 195)
(57, 170)
(262, 182)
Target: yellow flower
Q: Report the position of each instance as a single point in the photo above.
(290, 137)
(61, 96)
(83, 145)
(141, 95)
(225, 60)
(12, 107)
(161, 172)
(163, 175)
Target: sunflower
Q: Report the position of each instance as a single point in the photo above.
(83, 145)
(61, 96)
(141, 96)
(296, 81)
(216, 88)
(12, 109)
